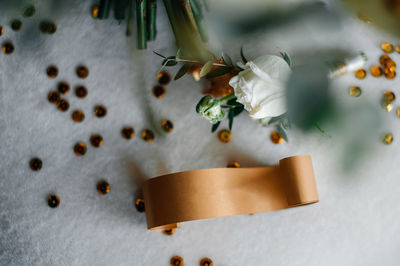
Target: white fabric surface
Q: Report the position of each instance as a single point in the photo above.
(356, 221)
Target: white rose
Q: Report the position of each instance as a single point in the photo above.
(260, 87)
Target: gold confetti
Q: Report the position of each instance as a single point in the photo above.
(387, 138)
(16, 25)
(398, 112)
(54, 97)
(163, 78)
(398, 48)
(82, 72)
(389, 74)
(127, 132)
(169, 232)
(53, 201)
(233, 164)
(360, 73)
(78, 116)
(63, 105)
(384, 59)
(159, 91)
(95, 11)
(276, 138)
(63, 87)
(224, 135)
(80, 149)
(387, 47)
(28, 11)
(47, 27)
(81, 91)
(167, 126)
(388, 96)
(100, 111)
(52, 71)
(147, 135)
(96, 140)
(387, 106)
(36, 164)
(206, 262)
(355, 91)
(176, 261)
(7, 47)
(376, 71)
(139, 205)
(103, 187)
(1, 30)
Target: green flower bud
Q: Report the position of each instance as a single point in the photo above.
(210, 109)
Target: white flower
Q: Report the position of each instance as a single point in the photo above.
(260, 87)
(210, 109)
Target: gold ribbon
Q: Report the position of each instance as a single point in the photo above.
(208, 193)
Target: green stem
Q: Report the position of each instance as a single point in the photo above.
(198, 16)
(104, 9)
(227, 98)
(151, 20)
(120, 9)
(141, 24)
(131, 15)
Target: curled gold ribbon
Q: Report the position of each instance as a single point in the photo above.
(208, 193)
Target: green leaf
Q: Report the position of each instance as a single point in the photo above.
(282, 132)
(159, 54)
(276, 119)
(231, 116)
(227, 59)
(206, 68)
(244, 60)
(238, 110)
(215, 127)
(178, 54)
(286, 57)
(219, 71)
(183, 70)
(169, 61)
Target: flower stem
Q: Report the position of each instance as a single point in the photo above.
(227, 98)
(151, 20)
(131, 12)
(141, 24)
(104, 9)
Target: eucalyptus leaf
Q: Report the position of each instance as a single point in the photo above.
(219, 71)
(286, 57)
(227, 59)
(206, 68)
(170, 61)
(231, 115)
(215, 127)
(159, 54)
(183, 70)
(276, 119)
(178, 54)
(238, 110)
(242, 56)
(282, 132)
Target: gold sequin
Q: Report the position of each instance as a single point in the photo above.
(376, 71)
(355, 91)
(206, 262)
(224, 135)
(82, 72)
(100, 111)
(54, 97)
(139, 205)
(276, 138)
(360, 73)
(176, 261)
(387, 138)
(78, 116)
(389, 74)
(398, 48)
(95, 11)
(63, 105)
(81, 91)
(103, 187)
(388, 96)
(36, 164)
(127, 132)
(398, 112)
(147, 135)
(167, 126)
(163, 78)
(52, 71)
(63, 87)
(1, 30)
(7, 47)
(159, 91)
(16, 25)
(169, 232)
(387, 106)
(387, 47)
(53, 201)
(28, 11)
(233, 164)
(80, 149)
(96, 140)
(47, 27)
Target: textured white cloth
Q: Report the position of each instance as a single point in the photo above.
(356, 221)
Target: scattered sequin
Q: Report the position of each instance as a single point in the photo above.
(163, 78)
(147, 135)
(387, 106)
(63, 87)
(159, 91)
(384, 59)
(7, 47)
(360, 73)
(29, 11)
(387, 138)
(127, 132)
(1, 30)
(78, 116)
(398, 48)
(398, 112)
(224, 136)
(48, 27)
(139, 204)
(387, 47)
(276, 138)
(16, 25)
(388, 96)
(36, 164)
(376, 71)
(169, 232)
(103, 187)
(81, 91)
(63, 105)
(80, 149)
(355, 91)
(53, 201)
(96, 140)
(100, 111)
(176, 261)
(389, 74)
(95, 11)
(233, 164)
(206, 262)
(52, 71)
(167, 126)
(54, 97)
(82, 72)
